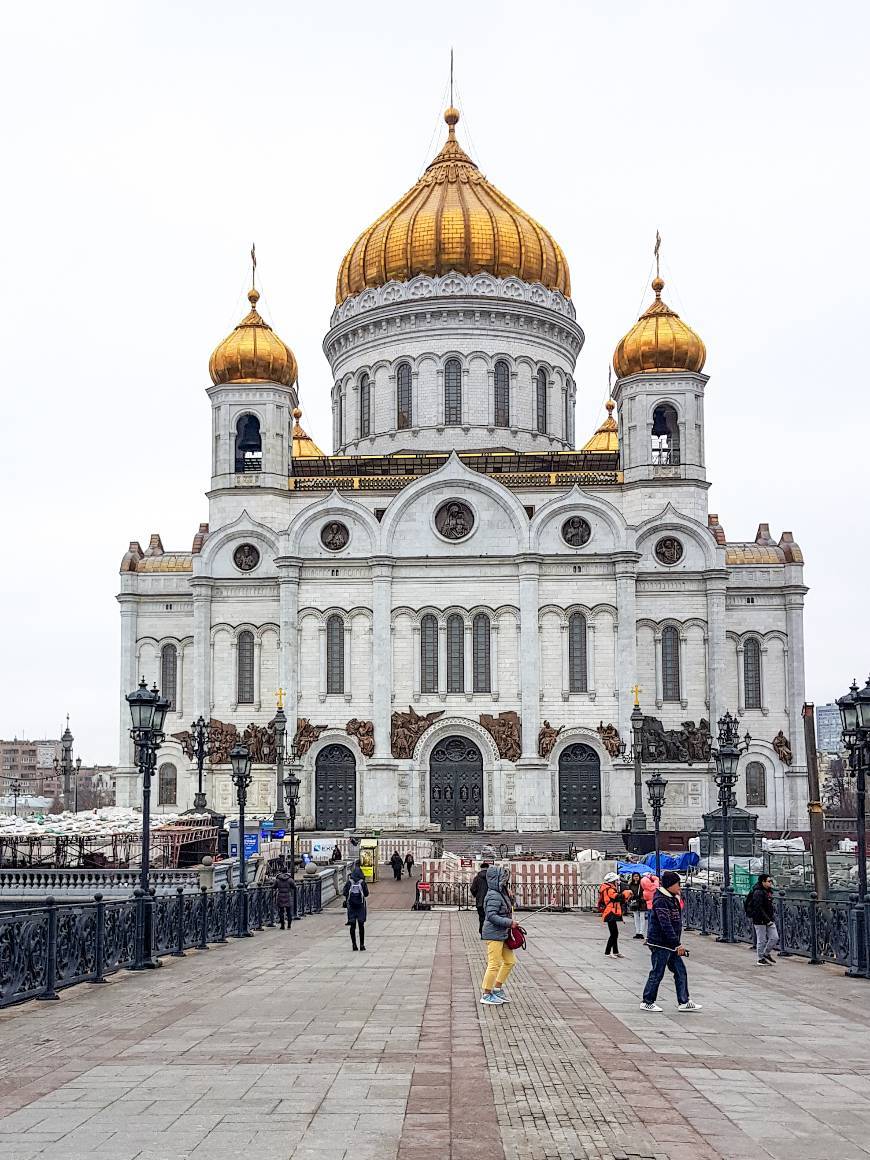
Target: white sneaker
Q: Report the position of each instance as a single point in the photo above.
(650, 1007)
(690, 1006)
(499, 993)
(491, 1000)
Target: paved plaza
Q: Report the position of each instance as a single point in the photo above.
(290, 1046)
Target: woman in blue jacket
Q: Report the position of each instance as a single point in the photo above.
(497, 922)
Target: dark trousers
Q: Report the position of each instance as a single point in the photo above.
(397, 872)
(665, 959)
(410, 870)
(481, 915)
(613, 941)
(285, 912)
(353, 924)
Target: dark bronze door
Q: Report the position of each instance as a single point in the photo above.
(579, 788)
(335, 788)
(456, 784)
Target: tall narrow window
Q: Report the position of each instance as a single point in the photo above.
(249, 445)
(482, 676)
(167, 784)
(541, 400)
(502, 394)
(365, 405)
(569, 413)
(245, 648)
(670, 664)
(339, 418)
(429, 654)
(752, 674)
(335, 655)
(169, 674)
(453, 392)
(756, 784)
(665, 436)
(455, 654)
(577, 680)
(404, 416)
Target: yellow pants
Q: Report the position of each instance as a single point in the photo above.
(500, 962)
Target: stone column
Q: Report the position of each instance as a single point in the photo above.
(794, 620)
(468, 662)
(684, 670)
(530, 654)
(202, 699)
(382, 671)
(625, 566)
(715, 583)
(288, 655)
(591, 688)
(321, 649)
(178, 707)
(657, 663)
(258, 653)
(493, 658)
(566, 676)
(761, 667)
(741, 682)
(442, 659)
(129, 678)
(418, 673)
(348, 643)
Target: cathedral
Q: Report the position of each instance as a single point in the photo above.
(458, 602)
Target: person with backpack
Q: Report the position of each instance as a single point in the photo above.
(664, 939)
(498, 922)
(396, 863)
(285, 891)
(477, 890)
(610, 904)
(356, 891)
(409, 864)
(759, 906)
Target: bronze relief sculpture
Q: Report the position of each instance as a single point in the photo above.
(407, 729)
(506, 732)
(364, 732)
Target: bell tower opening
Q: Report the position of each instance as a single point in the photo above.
(665, 436)
(249, 445)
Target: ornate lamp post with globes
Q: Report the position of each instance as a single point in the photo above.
(291, 794)
(199, 741)
(279, 818)
(240, 763)
(656, 788)
(68, 768)
(855, 717)
(726, 759)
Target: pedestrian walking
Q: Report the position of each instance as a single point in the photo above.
(497, 923)
(611, 901)
(396, 863)
(759, 906)
(336, 853)
(664, 939)
(356, 891)
(284, 895)
(637, 905)
(477, 890)
(409, 864)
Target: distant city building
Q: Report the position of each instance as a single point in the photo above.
(30, 762)
(829, 730)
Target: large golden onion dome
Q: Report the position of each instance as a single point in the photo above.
(452, 219)
(253, 353)
(659, 342)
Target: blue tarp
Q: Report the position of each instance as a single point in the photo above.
(681, 862)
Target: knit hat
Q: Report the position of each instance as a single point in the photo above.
(670, 878)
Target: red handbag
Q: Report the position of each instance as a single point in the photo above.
(516, 939)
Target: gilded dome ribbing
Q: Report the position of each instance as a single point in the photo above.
(253, 353)
(452, 219)
(659, 342)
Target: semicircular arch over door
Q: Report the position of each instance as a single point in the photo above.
(579, 788)
(335, 788)
(456, 784)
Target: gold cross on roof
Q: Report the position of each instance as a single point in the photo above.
(280, 696)
(637, 690)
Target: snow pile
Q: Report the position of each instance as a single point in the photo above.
(93, 823)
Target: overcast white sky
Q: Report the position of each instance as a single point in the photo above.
(146, 145)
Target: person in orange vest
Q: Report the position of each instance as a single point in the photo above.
(611, 901)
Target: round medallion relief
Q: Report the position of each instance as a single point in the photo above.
(576, 531)
(669, 550)
(334, 536)
(454, 520)
(246, 557)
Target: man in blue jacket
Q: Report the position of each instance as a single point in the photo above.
(664, 932)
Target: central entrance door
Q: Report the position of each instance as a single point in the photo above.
(335, 788)
(579, 788)
(456, 784)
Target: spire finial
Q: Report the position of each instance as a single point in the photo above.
(253, 293)
(451, 77)
(451, 115)
(656, 249)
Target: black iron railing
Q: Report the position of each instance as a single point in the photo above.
(55, 945)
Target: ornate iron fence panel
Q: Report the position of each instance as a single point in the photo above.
(795, 934)
(832, 924)
(693, 914)
(164, 916)
(23, 955)
(742, 929)
(75, 957)
(119, 943)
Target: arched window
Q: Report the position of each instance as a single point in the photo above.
(577, 679)
(541, 400)
(670, 664)
(404, 415)
(453, 392)
(169, 673)
(665, 435)
(365, 405)
(480, 634)
(455, 654)
(429, 654)
(502, 394)
(756, 784)
(245, 648)
(335, 655)
(752, 674)
(167, 784)
(249, 445)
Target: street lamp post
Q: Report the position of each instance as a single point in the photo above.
(291, 794)
(726, 759)
(148, 712)
(279, 818)
(638, 817)
(855, 717)
(66, 766)
(240, 762)
(199, 734)
(15, 788)
(656, 788)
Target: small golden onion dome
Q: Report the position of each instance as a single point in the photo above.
(253, 353)
(659, 342)
(606, 438)
(304, 446)
(452, 219)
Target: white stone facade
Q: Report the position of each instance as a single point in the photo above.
(397, 569)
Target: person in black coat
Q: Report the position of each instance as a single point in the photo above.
(409, 864)
(396, 863)
(356, 891)
(759, 907)
(284, 895)
(477, 890)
